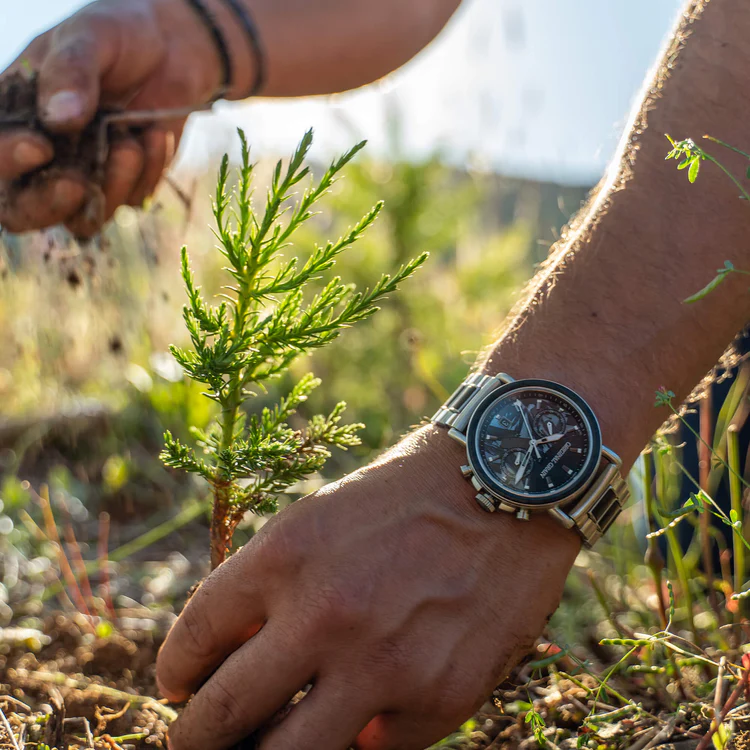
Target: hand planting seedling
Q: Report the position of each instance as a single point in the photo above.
(268, 317)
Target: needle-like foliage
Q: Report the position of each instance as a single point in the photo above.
(264, 321)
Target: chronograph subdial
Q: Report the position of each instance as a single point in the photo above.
(509, 465)
(550, 422)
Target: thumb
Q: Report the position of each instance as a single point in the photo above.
(70, 75)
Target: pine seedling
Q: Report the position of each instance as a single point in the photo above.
(267, 317)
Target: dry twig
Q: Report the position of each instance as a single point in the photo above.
(9, 731)
(83, 721)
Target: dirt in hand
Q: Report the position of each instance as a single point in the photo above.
(85, 152)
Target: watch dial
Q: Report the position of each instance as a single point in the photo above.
(534, 443)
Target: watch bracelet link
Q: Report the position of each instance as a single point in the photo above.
(456, 412)
(592, 514)
(600, 505)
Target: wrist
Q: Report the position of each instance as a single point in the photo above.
(575, 362)
(177, 17)
(433, 459)
(243, 59)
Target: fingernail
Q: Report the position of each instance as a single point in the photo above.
(64, 106)
(29, 156)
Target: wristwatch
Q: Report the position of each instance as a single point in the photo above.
(535, 445)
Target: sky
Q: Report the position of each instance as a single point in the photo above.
(535, 88)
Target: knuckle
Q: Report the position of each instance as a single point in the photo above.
(281, 548)
(74, 51)
(393, 658)
(78, 32)
(338, 605)
(196, 632)
(221, 707)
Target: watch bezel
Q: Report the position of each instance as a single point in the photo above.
(556, 497)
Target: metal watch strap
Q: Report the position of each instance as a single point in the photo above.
(594, 512)
(456, 412)
(600, 505)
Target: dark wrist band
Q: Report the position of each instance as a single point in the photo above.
(251, 31)
(221, 45)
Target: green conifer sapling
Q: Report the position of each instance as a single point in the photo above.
(267, 317)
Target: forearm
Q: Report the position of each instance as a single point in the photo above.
(332, 45)
(607, 314)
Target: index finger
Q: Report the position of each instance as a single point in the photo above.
(225, 612)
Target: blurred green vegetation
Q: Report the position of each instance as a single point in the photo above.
(87, 328)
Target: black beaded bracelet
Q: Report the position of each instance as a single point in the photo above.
(221, 46)
(251, 31)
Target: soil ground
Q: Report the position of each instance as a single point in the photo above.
(64, 686)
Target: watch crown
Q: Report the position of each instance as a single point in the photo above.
(522, 514)
(466, 470)
(486, 502)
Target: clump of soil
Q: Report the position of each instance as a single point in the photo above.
(86, 152)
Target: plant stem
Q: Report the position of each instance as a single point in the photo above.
(653, 559)
(676, 553)
(726, 145)
(744, 192)
(728, 706)
(691, 429)
(134, 546)
(704, 528)
(735, 493)
(221, 533)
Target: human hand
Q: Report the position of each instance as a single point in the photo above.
(391, 591)
(138, 55)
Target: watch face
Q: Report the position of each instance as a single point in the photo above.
(534, 443)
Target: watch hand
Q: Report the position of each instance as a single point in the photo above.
(522, 467)
(549, 439)
(525, 416)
